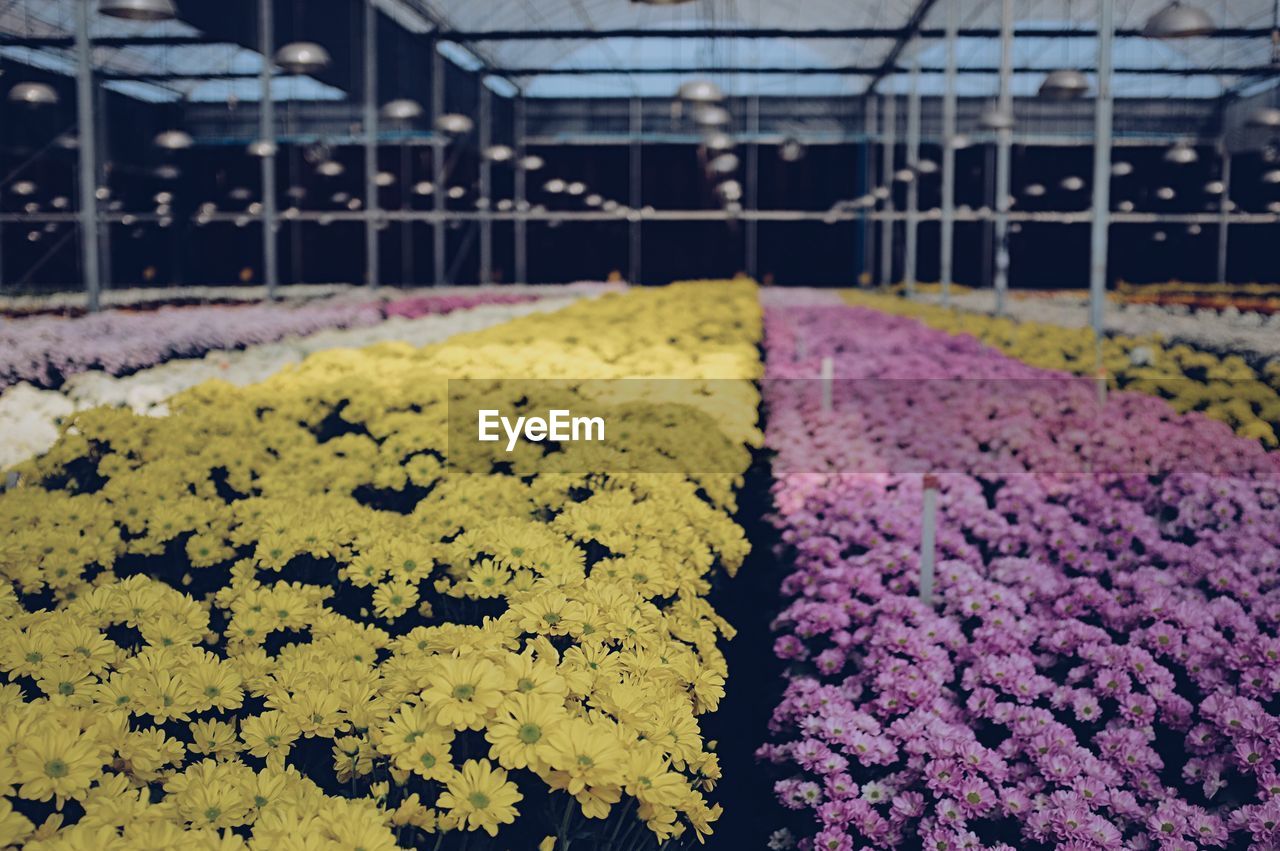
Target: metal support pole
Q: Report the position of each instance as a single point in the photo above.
(752, 176)
(371, 142)
(1004, 156)
(947, 230)
(913, 188)
(868, 174)
(636, 164)
(1224, 207)
(890, 143)
(486, 182)
(439, 152)
(1101, 173)
(267, 134)
(88, 155)
(521, 227)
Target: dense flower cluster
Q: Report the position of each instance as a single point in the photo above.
(1100, 670)
(31, 418)
(45, 350)
(1224, 387)
(279, 619)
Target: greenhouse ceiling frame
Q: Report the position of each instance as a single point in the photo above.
(1100, 216)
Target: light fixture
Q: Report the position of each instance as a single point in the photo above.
(725, 163)
(401, 109)
(994, 119)
(174, 140)
(926, 167)
(555, 186)
(1272, 176)
(1181, 154)
(424, 187)
(700, 91)
(1179, 20)
(904, 175)
(240, 193)
(456, 192)
(1166, 193)
(139, 10)
(60, 202)
(531, 162)
(167, 171)
(384, 179)
(577, 187)
(164, 199)
(330, 168)
(1034, 190)
(499, 153)
(709, 115)
(1215, 187)
(959, 142)
(790, 150)
(1193, 229)
(593, 200)
(1125, 206)
(1267, 116)
(23, 187)
(730, 190)
(67, 141)
(1121, 169)
(454, 123)
(1159, 236)
(34, 94)
(340, 197)
(1072, 183)
(262, 148)
(1064, 84)
(718, 142)
(302, 57)
(505, 205)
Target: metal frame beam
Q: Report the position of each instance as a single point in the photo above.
(874, 71)
(267, 134)
(805, 33)
(909, 32)
(88, 212)
(1101, 213)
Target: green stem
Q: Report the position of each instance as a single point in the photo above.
(562, 841)
(622, 821)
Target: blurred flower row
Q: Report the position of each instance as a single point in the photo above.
(1097, 668)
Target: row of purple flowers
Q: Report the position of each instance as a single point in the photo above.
(1099, 668)
(45, 350)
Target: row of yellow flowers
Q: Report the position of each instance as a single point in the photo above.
(280, 618)
(1225, 388)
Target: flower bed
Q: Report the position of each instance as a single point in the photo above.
(1224, 386)
(1101, 669)
(277, 617)
(30, 418)
(45, 351)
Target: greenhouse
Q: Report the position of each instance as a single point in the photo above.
(640, 425)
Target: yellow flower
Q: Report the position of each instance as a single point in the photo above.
(394, 598)
(479, 797)
(14, 827)
(269, 735)
(520, 735)
(59, 763)
(463, 692)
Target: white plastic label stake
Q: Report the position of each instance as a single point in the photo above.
(928, 534)
(828, 374)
